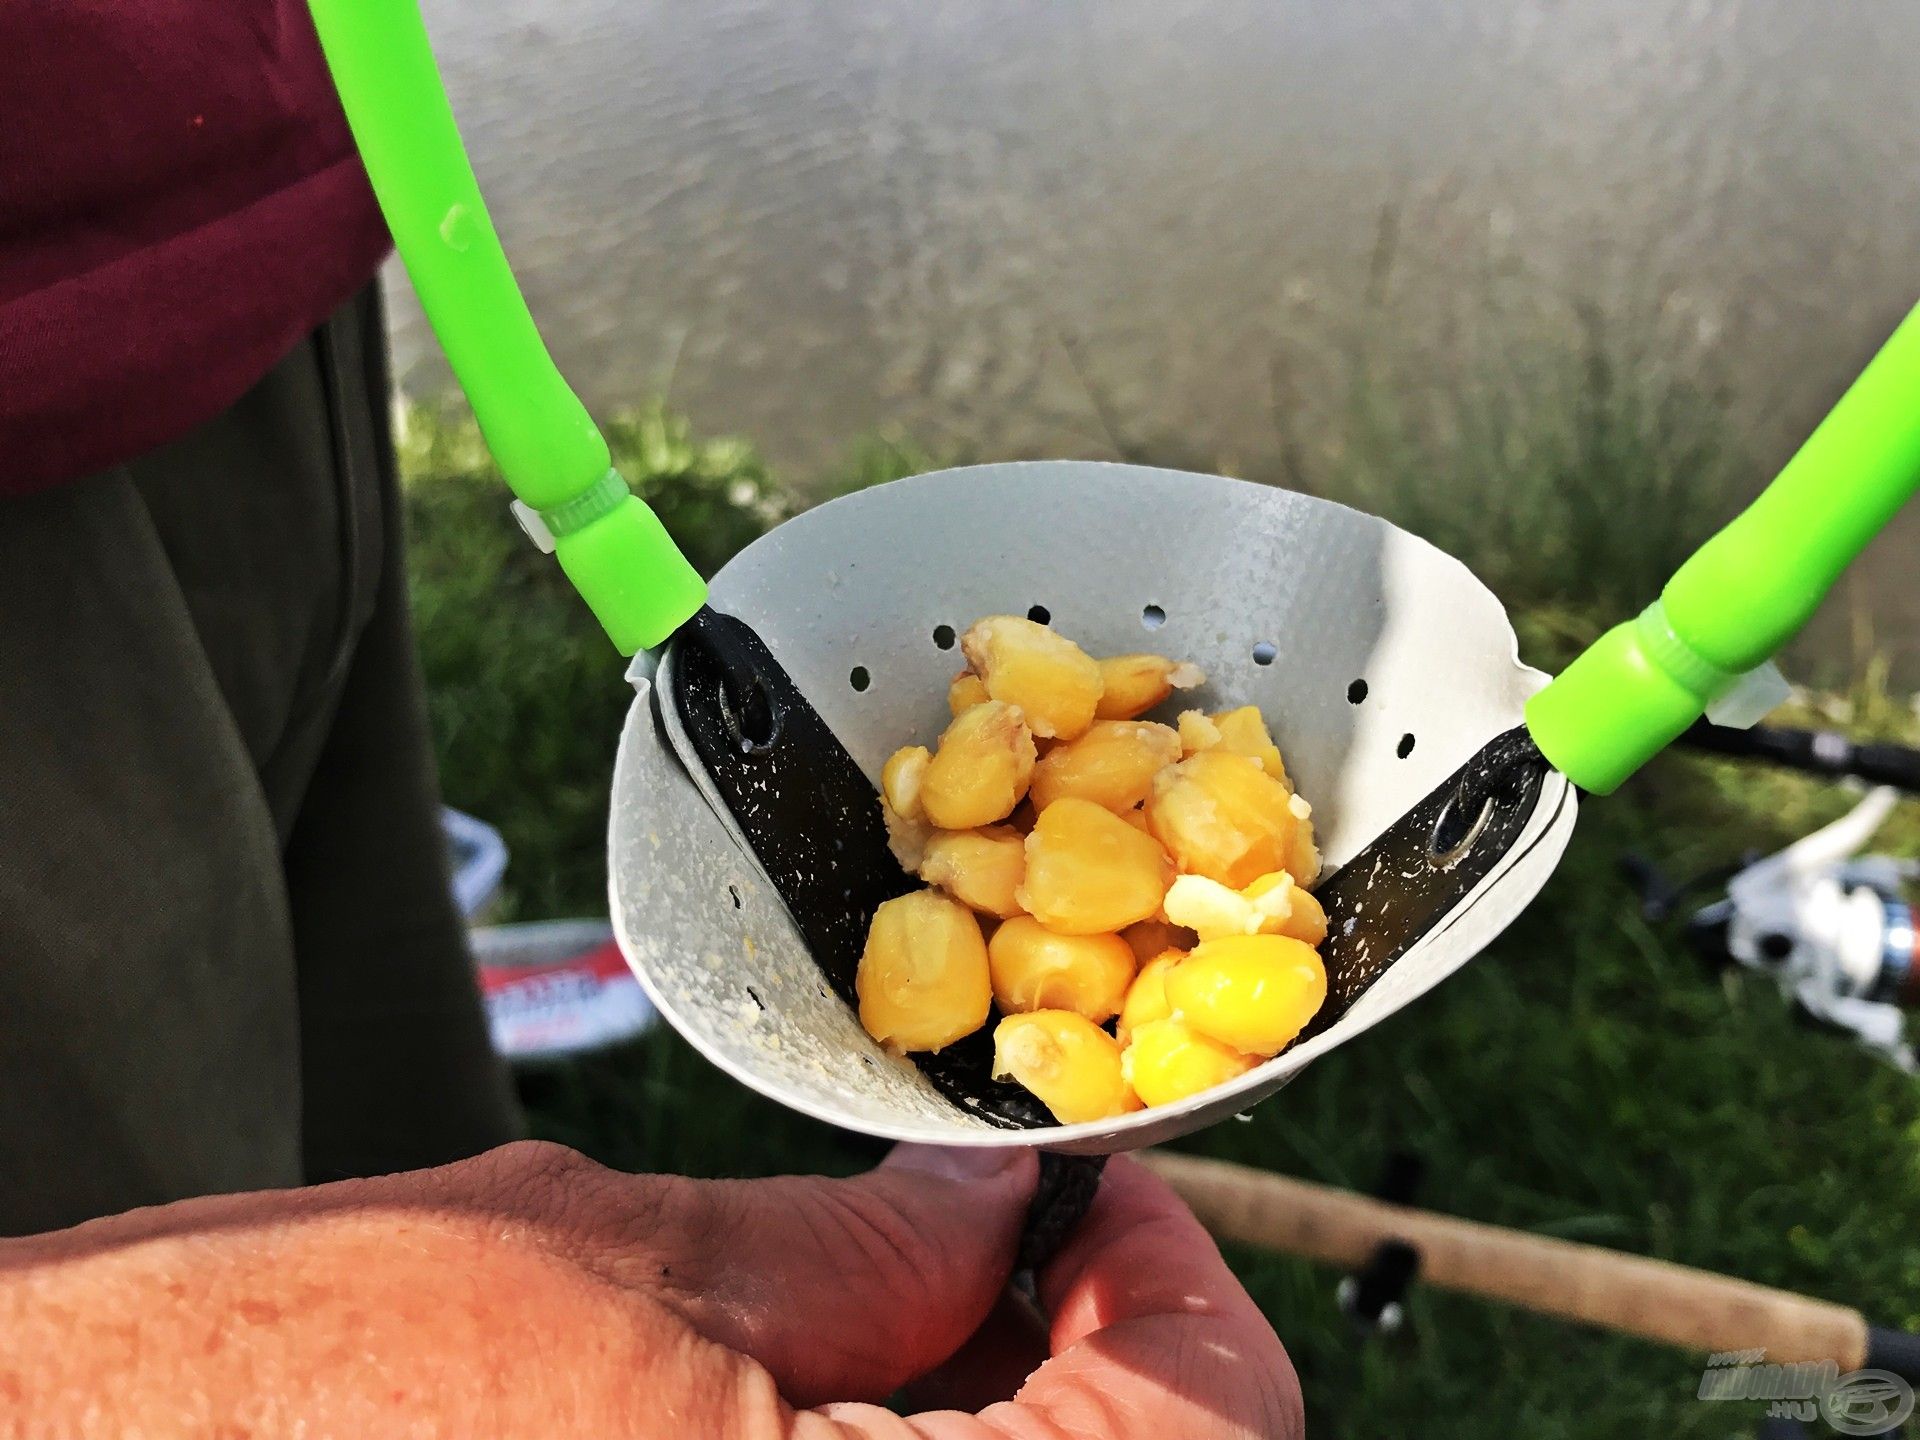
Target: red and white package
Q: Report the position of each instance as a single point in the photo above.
(557, 988)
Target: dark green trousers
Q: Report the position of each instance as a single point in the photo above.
(228, 959)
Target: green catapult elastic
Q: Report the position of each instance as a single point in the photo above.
(612, 547)
(1715, 627)
(1748, 590)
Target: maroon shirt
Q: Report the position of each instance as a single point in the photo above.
(180, 202)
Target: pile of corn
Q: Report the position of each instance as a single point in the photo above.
(1086, 868)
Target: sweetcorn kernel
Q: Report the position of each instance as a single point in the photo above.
(923, 980)
(1222, 816)
(1146, 999)
(1197, 732)
(1150, 938)
(1271, 905)
(907, 839)
(966, 691)
(900, 779)
(1244, 732)
(1133, 684)
(1113, 764)
(1055, 683)
(1091, 873)
(1035, 969)
(981, 868)
(981, 770)
(1306, 918)
(1070, 1064)
(1252, 992)
(1166, 1061)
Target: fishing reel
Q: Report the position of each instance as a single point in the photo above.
(1835, 929)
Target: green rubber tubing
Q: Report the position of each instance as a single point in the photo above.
(611, 546)
(1746, 592)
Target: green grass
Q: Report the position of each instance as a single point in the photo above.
(1585, 1078)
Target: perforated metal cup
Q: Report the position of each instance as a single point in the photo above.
(1381, 662)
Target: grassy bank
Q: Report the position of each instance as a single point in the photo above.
(1586, 1078)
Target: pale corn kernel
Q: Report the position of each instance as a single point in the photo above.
(923, 980)
(980, 770)
(1244, 732)
(1091, 873)
(1166, 1061)
(1305, 920)
(1069, 1063)
(907, 839)
(1133, 684)
(1252, 992)
(1212, 910)
(1055, 683)
(1155, 936)
(980, 868)
(900, 779)
(1222, 816)
(1112, 765)
(966, 690)
(1035, 969)
(1146, 999)
(1197, 732)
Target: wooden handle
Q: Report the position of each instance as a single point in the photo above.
(1656, 1300)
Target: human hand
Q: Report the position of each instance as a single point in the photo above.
(529, 1291)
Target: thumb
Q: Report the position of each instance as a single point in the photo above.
(847, 1289)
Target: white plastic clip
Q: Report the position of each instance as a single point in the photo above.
(1754, 696)
(536, 528)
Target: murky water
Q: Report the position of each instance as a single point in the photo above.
(1167, 227)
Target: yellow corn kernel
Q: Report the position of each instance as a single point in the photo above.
(1303, 854)
(1222, 816)
(1153, 937)
(1238, 732)
(1305, 919)
(1067, 1061)
(1244, 732)
(1252, 992)
(966, 691)
(1091, 873)
(1166, 1061)
(981, 770)
(900, 779)
(923, 980)
(1133, 684)
(1035, 969)
(1146, 999)
(907, 839)
(1112, 765)
(981, 868)
(1055, 683)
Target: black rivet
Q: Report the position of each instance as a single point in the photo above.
(1405, 747)
(859, 679)
(1152, 617)
(943, 636)
(1264, 652)
(1356, 692)
(1039, 614)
